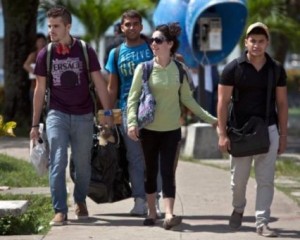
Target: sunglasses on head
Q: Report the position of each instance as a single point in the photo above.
(157, 40)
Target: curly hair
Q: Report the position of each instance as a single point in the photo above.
(171, 31)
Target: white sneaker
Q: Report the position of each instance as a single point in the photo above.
(139, 208)
(158, 212)
(265, 231)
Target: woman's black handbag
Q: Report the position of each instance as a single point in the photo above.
(253, 137)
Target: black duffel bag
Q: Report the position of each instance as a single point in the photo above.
(109, 173)
(251, 139)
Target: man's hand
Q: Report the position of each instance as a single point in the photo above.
(282, 144)
(224, 142)
(34, 133)
(109, 120)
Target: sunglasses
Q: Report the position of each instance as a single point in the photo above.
(157, 40)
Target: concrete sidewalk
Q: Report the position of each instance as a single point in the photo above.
(203, 199)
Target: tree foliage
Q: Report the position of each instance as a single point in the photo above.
(6, 129)
(284, 27)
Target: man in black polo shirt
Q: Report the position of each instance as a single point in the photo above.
(252, 89)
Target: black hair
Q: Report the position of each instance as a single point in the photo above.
(131, 14)
(117, 28)
(41, 35)
(171, 32)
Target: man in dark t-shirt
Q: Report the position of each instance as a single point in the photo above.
(251, 101)
(70, 114)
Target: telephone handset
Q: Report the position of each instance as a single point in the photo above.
(210, 29)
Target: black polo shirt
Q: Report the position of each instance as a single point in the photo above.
(252, 89)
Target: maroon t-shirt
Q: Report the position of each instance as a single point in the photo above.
(69, 85)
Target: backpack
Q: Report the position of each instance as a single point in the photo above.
(181, 70)
(83, 46)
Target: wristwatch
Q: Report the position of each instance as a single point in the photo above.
(108, 113)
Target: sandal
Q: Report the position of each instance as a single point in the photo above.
(172, 222)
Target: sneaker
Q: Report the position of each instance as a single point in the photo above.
(59, 219)
(235, 221)
(172, 222)
(265, 231)
(81, 211)
(139, 208)
(158, 212)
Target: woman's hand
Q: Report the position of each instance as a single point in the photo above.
(215, 124)
(133, 133)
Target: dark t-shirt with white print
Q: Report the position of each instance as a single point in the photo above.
(69, 87)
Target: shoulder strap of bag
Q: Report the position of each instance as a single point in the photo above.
(182, 72)
(91, 83)
(238, 74)
(147, 69)
(48, 77)
(116, 58)
(269, 91)
(277, 70)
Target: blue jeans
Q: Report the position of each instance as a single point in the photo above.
(136, 163)
(62, 130)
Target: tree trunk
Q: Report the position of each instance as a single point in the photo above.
(19, 40)
(281, 47)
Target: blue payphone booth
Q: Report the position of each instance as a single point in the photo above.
(210, 28)
(214, 28)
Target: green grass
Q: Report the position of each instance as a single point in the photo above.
(34, 221)
(294, 111)
(288, 168)
(19, 173)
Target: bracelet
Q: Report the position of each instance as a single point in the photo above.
(108, 113)
(35, 126)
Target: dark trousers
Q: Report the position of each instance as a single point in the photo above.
(164, 146)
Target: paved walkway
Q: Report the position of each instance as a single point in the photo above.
(203, 199)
